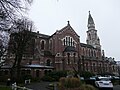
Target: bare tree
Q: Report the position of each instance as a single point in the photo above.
(2, 51)
(20, 38)
(9, 11)
(14, 7)
(4, 38)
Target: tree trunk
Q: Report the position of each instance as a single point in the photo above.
(19, 68)
(13, 69)
(16, 68)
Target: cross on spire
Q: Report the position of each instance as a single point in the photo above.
(68, 22)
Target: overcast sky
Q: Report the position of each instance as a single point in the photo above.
(52, 15)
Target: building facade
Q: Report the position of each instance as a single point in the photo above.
(64, 51)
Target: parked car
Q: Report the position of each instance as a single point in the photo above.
(93, 78)
(81, 78)
(103, 83)
(116, 77)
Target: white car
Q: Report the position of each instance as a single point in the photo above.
(104, 82)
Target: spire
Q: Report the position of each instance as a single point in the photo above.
(92, 38)
(90, 21)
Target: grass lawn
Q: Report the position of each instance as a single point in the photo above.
(5, 88)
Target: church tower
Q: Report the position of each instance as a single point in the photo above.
(92, 37)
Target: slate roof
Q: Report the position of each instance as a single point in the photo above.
(38, 66)
(88, 46)
(46, 53)
(6, 67)
(70, 49)
(41, 35)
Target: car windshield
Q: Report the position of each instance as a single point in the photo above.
(104, 79)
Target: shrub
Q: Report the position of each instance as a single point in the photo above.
(69, 83)
(86, 74)
(57, 74)
(5, 88)
(28, 76)
(3, 78)
(23, 78)
(73, 84)
(35, 79)
(47, 78)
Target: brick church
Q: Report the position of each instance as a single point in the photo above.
(64, 51)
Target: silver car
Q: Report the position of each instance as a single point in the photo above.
(104, 83)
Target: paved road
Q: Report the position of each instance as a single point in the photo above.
(44, 85)
(117, 87)
(38, 86)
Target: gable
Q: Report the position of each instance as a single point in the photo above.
(68, 30)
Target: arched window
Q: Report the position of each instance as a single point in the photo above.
(48, 62)
(83, 51)
(64, 42)
(94, 53)
(89, 36)
(37, 73)
(68, 41)
(71, 42)
(87, 66)
(113, 68)
(50, 43)
(68, 54)
(89, 53)
(94, 67)
(74, 56)
(42, 45)
(95, 35)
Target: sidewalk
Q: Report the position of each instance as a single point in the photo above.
(38, 86)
